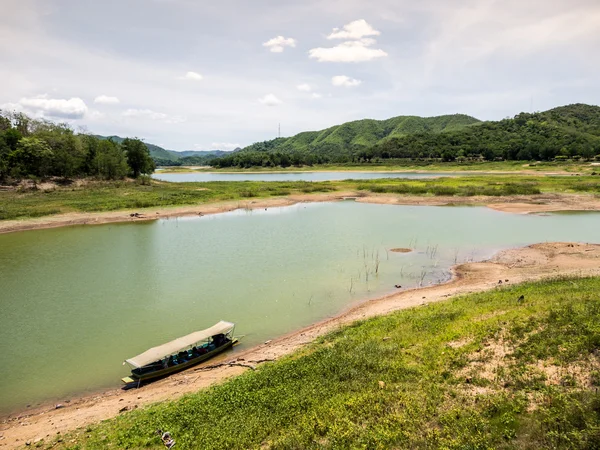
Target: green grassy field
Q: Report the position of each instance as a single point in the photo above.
(516, 367)
(112, 196)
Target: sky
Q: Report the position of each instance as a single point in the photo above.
(200, 75)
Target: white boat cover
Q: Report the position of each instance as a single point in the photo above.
(170, 348)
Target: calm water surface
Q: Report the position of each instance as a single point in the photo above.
(77, 301)
(293, 176)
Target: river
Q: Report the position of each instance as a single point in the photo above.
(77, 301)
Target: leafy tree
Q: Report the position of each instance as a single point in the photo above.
(12, 136)
(110, 161)
(138, 157)
(4, 152)
(32, 157)
(4, 123)
(89, 147)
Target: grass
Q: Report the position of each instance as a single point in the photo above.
(488, 370)
(111, 196)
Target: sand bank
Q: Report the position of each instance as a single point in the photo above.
(513, 204)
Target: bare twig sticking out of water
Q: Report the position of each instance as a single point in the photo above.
(351, 285)
(413, 243)
(471, 257)
(431, 251)
(377, 263)
(455, 255)
(310, 300)
(422, 276)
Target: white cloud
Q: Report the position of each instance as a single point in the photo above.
(194, 76)
(153, 115)
(106, 100)
(42, 106)
(343, 80)
(175, 119)
(304, 87)
(270, 100)
(95, 115)
(226, 146)
(278, 44)
(349, 51)
(316, 95)
(148, 113)
(354, 30)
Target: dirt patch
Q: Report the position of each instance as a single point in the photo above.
(486, 363)
(401, 250)
(460, 343)
(577, 373)
(489, 316)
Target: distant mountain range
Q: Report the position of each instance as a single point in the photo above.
(162, 156)
(565, 131)
(364, 133)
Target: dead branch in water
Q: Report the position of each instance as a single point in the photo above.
(232, 364)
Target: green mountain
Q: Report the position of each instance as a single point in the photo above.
(171, 157)
(362, 134)
(156, 152)
(564, 132)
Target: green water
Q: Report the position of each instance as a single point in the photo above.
(296, 176)
(77, 301)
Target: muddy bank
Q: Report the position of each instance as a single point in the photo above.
(512, 204)
(534, 262)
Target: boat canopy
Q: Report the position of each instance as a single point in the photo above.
(162, 351)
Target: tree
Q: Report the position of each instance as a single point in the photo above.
(89, 145)
(4, 123)
(138, 157)
(68, 157)
(4, 152)
(110, 162)
(12, 136)
(32, 157)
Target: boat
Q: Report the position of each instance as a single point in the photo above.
(181, 353)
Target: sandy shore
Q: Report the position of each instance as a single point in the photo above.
(513, 204)
(534, 262)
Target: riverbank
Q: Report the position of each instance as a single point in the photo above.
(520, 204)
(539, 261)
(524, 167)
(92, 196)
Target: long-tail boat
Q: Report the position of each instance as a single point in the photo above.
(180, 353)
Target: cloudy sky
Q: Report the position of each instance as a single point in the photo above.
(199, 74)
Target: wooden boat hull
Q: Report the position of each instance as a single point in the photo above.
(135, 378)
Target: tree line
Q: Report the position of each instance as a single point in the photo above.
(32, 148)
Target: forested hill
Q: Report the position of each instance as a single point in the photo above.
(563, 132)
(163, 157)
(363, 133)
